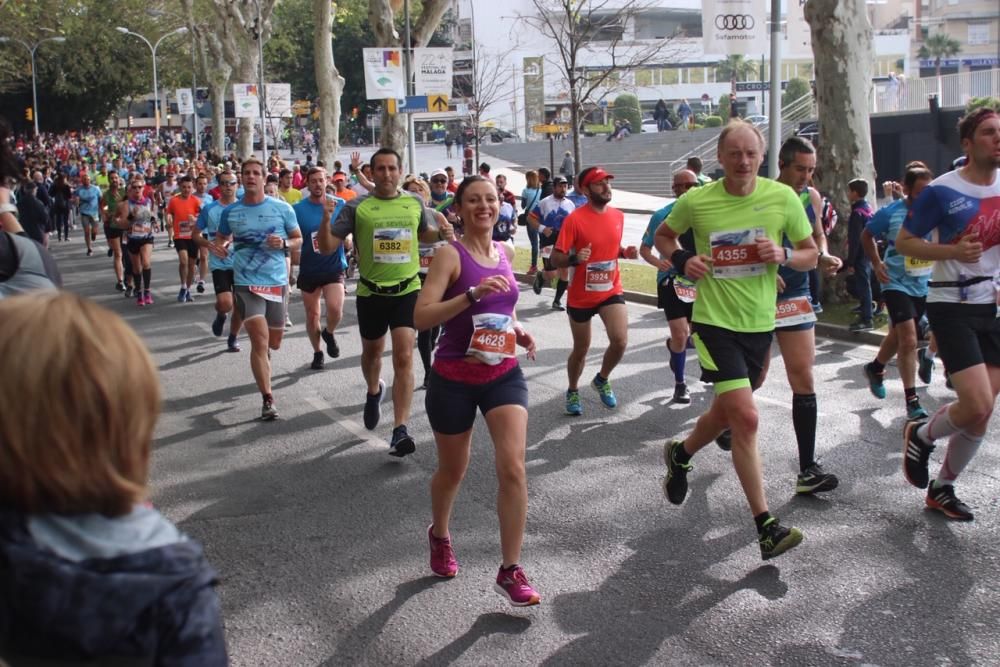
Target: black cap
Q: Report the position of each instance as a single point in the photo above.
(559, 179)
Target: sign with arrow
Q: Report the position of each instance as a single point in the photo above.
(438, 102)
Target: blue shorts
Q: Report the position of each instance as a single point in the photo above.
(451, 406)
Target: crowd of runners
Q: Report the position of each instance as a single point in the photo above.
(434, 267)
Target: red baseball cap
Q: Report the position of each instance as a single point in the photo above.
(339, 176)
(593, 175)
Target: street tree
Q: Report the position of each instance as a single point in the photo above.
(939, 46)
(241, 26)
(383, 16)
(87, 78)
(843, 53)
(582, 31)
(735, 68)
(489, 84)
(328, 81)
(213, 69)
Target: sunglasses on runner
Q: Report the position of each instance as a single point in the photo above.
(227, 183)
(439, 180)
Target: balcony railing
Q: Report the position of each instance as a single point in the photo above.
(952, 90)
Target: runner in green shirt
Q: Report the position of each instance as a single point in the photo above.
(387, 225)
(738, 224)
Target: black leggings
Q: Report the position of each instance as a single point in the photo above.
(62, 223)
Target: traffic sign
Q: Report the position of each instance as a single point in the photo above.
(756, 86)
(438, 102)
(565, 114)
(412, 104)
(549, 129)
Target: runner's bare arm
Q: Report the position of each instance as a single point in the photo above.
(430, 310)
(968, 249)
(328, 241)
(121, 215)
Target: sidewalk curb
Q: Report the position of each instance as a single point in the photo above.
(823, 329)
(636, 211)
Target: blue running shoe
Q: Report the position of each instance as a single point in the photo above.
(603, 388)
(573, 406)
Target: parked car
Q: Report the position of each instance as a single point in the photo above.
(756, 119)
(649, 125)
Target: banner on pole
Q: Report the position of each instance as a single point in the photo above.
(245, 100)
(185, 101)
(534, 91)
(279, 100)
(799, 43)
(384, 78)
(735, 27)
(432, 69)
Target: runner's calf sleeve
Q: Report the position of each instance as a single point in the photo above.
(939, 426)
(961, 448)
(804, 422)
(561, 286)
(677, 361)
(147, 277)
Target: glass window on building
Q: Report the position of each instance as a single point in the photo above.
(670, 76)
(644, 77)
(696, 75)
(979, 34)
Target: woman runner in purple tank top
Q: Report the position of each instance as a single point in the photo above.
(470, 287)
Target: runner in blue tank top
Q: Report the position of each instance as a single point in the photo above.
(795, 321)
(904, 290)
(320, 275)
(471, 289)
(220, 260)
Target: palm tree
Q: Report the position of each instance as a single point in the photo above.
(939, 46)
(735, 68)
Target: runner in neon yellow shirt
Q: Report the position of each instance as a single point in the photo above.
(738, 224)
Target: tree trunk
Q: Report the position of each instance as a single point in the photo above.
(574, 115)
(217, 95)
(328, 80)
(843, 54)
(244, 137)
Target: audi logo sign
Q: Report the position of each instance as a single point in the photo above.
(734, 22)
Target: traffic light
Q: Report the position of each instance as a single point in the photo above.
(354, 112)
(29, 114)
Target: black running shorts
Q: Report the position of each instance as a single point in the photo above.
(968, 334)
(730, 359)
(902, 307)
(377, 313)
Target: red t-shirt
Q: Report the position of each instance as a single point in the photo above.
(185, 214)
(599, 279)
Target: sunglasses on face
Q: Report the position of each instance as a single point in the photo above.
(227, 183)
(439, 180)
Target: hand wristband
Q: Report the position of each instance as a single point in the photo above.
(574, 260)
(679, 258)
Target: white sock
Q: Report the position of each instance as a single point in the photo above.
(961, 448)
(929, 353)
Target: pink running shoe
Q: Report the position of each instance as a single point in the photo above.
(139, 300)
(443, 562)
(148, 298)
(513, 585)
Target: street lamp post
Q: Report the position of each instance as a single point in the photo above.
(34, 83)
(152, 48)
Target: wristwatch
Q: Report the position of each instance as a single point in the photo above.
(470, 295)
(284, 244)
(788, 256)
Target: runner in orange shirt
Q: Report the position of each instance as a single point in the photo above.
(590, 243)
(182, 215)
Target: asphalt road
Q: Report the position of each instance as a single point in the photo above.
(320, 537)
